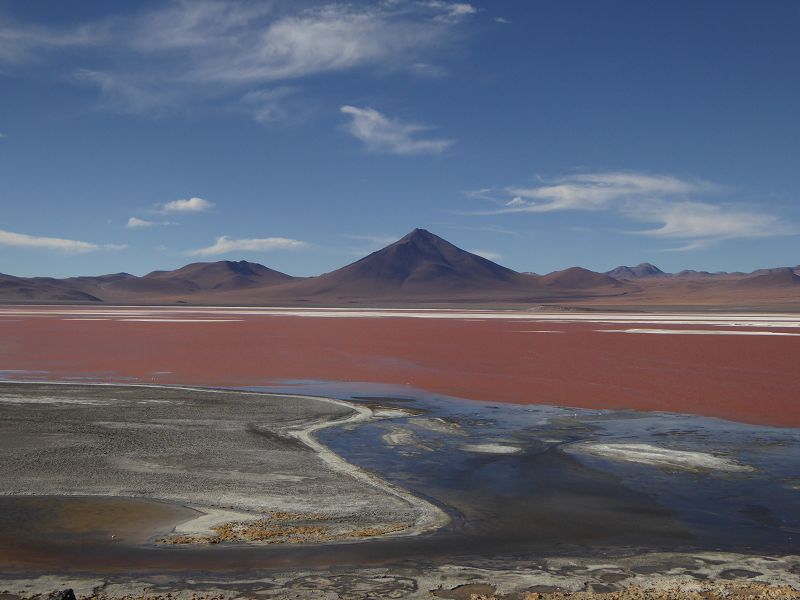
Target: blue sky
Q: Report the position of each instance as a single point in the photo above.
(543, 134)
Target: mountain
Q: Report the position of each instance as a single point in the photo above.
(693, 273)
(637, 272)
(40, 289)
(420, 268)
(577, 278)
(420, 264)
(221, 275)
(782, 277)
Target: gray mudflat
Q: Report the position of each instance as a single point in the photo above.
(230, 454)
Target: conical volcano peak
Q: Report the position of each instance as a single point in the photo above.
(420, 263)
(420, 235)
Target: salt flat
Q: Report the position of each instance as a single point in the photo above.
(169, 314)
(233, 456)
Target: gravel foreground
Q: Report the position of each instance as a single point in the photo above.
(652, 575)
(707, 591)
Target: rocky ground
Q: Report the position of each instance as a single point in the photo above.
(656, 576)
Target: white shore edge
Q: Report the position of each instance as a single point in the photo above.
(430, 518)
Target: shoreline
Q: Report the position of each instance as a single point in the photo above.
(430, 517)
(449, 575)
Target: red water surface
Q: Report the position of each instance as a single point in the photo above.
(746, 378)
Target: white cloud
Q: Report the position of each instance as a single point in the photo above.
(665, 201)
(23, 240)
(502, 20)
(24, 43)
(225, 245)
(450, 11)
(137, 223)
(598, 191)
(488, 254)
(382, 134)
(2, 135)
(180, 53)
(703, 223)
(189, 205)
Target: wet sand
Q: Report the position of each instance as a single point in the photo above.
(572, 359)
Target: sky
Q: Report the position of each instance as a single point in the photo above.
(541, 134)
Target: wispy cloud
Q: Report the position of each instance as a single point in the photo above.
(450, 11)
(382, 134)
(2, 135)
(126, 93)
(23, 43)
(137, 223)
(189, 205)
(182, 53)
(599, 191)
(23, 240)
(667, 202)
(482, 194)
(225, 245)
(488, 254)
(702, 223)
(268, 105)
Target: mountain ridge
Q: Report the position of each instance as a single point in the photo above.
(420, 267)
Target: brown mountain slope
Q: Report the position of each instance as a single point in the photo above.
(221, 275)
(423, 267)
(420, 268)
(782, 277)
(21, 289)
(639, 271)
(420, 264)
(577, 278)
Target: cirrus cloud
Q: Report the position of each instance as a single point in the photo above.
(225, 245)
(668, 203)
(137, 223)
(24, 240)
(179, 53)
(382, 134)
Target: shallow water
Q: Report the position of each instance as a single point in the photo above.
(548, 494)
(545, 499)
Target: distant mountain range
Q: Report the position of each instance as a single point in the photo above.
(420, 268)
